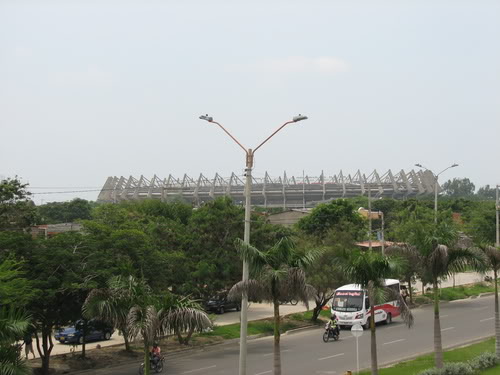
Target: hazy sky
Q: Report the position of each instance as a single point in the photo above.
(90, 89)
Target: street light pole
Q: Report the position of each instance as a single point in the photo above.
(249, 153)
(436, 177)
(498, 219)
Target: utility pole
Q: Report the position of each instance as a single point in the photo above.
(498, 219)
(436, 177)
(249, 159)
(369, 218)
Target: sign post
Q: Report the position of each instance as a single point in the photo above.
(357, 332)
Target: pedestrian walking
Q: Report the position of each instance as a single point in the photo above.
(28, 345)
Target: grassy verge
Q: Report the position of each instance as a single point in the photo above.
(263, 326)
(424, 362)
(459, 292)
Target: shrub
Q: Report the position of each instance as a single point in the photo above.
(484, 361)
(481, 362)
(458, 368)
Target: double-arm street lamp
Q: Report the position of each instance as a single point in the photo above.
(249, 157)
(436, 177)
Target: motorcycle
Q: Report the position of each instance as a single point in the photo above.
(156, 367)
(330, 332)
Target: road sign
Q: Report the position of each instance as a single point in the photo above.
(357, 330)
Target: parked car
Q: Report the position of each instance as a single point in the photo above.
(96, 330)
(219, 303)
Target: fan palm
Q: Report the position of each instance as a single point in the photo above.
(433, 247)
(13, 325)
(155, 316)
(277, 275)
(369, 270)
(113, 303)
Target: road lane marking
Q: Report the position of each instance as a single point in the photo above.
(265, 372)
(485, 320)
(393, 342)
(444, 316)
(447, 329)
(283, 351)
(199, 369)
(330, 356)
(481, 308)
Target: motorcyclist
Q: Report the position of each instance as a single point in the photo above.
(334, 324)
(155, 354)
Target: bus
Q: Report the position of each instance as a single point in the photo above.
(350, 305)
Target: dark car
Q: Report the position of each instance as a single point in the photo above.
(219, 303)
(96, 330)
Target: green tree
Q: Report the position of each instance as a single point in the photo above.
(13, 325)
(17, 211)
(112, 304)
(337, 213)
(369, 269)
(458, 187)
(65, 212)
(486, 192)
(13, 321)
(277, 274)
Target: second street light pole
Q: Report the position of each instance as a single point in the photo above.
(436, 177)
(246, 235)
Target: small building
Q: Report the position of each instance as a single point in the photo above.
(49, 230)
(289, 217)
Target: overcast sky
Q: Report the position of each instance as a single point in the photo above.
(91, 89)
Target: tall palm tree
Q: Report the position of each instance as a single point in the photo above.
(13, 325)
(492, 257)
(113, 303)
(434, 248)
(369, 269)
(277, 274)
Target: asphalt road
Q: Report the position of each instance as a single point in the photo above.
(305, 353)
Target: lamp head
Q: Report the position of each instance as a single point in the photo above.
(299, 118)
(454, 165)
(206, 118)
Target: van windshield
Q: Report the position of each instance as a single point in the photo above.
(347, 300)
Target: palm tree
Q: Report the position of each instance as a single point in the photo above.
(113, 303)
(153, 316)
(369, 269)
(433, 247)
(13, 325)
(132, 307)
(277, 274)
(492, 257)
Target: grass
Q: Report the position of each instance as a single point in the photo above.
(459, 292)
(424, 362)
(263, 326)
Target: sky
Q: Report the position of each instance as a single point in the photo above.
(91, 89)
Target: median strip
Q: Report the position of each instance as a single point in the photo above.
(331, 356)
